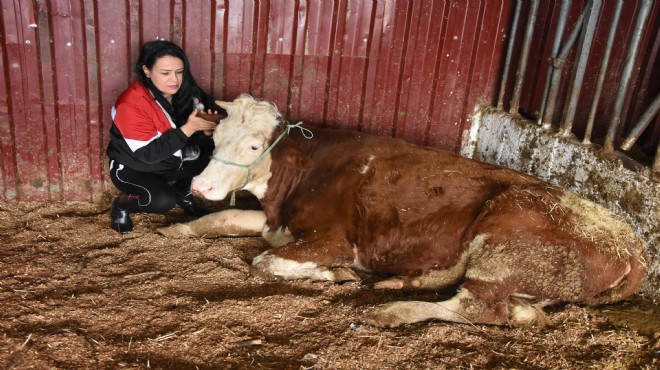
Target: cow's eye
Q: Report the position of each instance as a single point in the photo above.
(254, 148)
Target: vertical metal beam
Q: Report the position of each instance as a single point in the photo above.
(588, 32)
(559, 35)
(524, 55)
(644, 121)
(559, 63)
(626, 75)
(604, 63)
(509, 53)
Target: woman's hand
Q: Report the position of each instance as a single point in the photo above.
(212, 116)
(194, 124)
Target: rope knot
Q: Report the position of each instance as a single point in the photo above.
(307, 133)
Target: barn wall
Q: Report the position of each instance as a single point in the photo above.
(412, 69)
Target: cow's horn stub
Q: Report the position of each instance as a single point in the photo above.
(223, 104)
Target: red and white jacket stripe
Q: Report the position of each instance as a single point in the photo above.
(143, 136)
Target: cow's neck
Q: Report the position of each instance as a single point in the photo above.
(288, 165)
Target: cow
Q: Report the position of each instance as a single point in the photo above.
(336, 202)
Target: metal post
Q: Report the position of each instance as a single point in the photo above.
(559, 35)
(656, 163)
(559, 63)
(524, 55)
(509, 52)
(602, 73)
(588, 32)
(641, 125)
(626, 75)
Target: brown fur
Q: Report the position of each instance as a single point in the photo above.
(413, 210)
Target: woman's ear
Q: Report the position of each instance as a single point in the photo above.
(146, 71)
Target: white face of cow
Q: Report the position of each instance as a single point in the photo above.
(239, 140)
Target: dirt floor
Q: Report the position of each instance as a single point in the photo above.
(75, 294)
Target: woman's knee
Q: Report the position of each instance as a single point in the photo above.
(161, 203)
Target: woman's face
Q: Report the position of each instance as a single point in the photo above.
(166, 75)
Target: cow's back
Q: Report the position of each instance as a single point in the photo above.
(407, 208)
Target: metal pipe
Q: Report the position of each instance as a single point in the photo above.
(570, 42)
(524, 55)
(558, 63)
(588, 32)
(626, 75)
(509, 53)
(642, 124)
(604, 63)
(559, 35)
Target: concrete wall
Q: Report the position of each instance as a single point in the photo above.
(517, 143)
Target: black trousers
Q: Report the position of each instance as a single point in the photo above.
(157, 191)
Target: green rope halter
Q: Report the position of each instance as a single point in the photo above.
(306, 133)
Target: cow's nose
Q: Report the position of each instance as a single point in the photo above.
(200, 187)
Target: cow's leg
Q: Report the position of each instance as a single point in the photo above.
(230, 222)
(493, 275)
(320, 261)
(432, 280)
(477, 302)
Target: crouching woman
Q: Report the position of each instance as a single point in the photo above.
(157, 141)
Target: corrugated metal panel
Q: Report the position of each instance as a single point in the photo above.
(412, 69)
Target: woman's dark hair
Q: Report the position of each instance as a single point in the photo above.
(182, 101)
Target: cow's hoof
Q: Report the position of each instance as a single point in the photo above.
(176, 231)
(290, 269)
(405, 312)
(522, 313)
(345, 274)
(393, 283)
(385, 316)
(261, 274)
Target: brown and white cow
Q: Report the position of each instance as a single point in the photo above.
(342, 201)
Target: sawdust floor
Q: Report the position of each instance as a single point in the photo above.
(76, 295)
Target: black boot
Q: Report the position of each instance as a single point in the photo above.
(122, 207)
(187, 202)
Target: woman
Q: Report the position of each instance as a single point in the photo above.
(157, 141)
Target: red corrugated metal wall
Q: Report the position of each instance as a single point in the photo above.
(412, 69)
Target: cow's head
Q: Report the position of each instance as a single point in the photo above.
(239, 160)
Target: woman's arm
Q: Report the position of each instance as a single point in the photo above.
(196, 123)
(140, 132)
